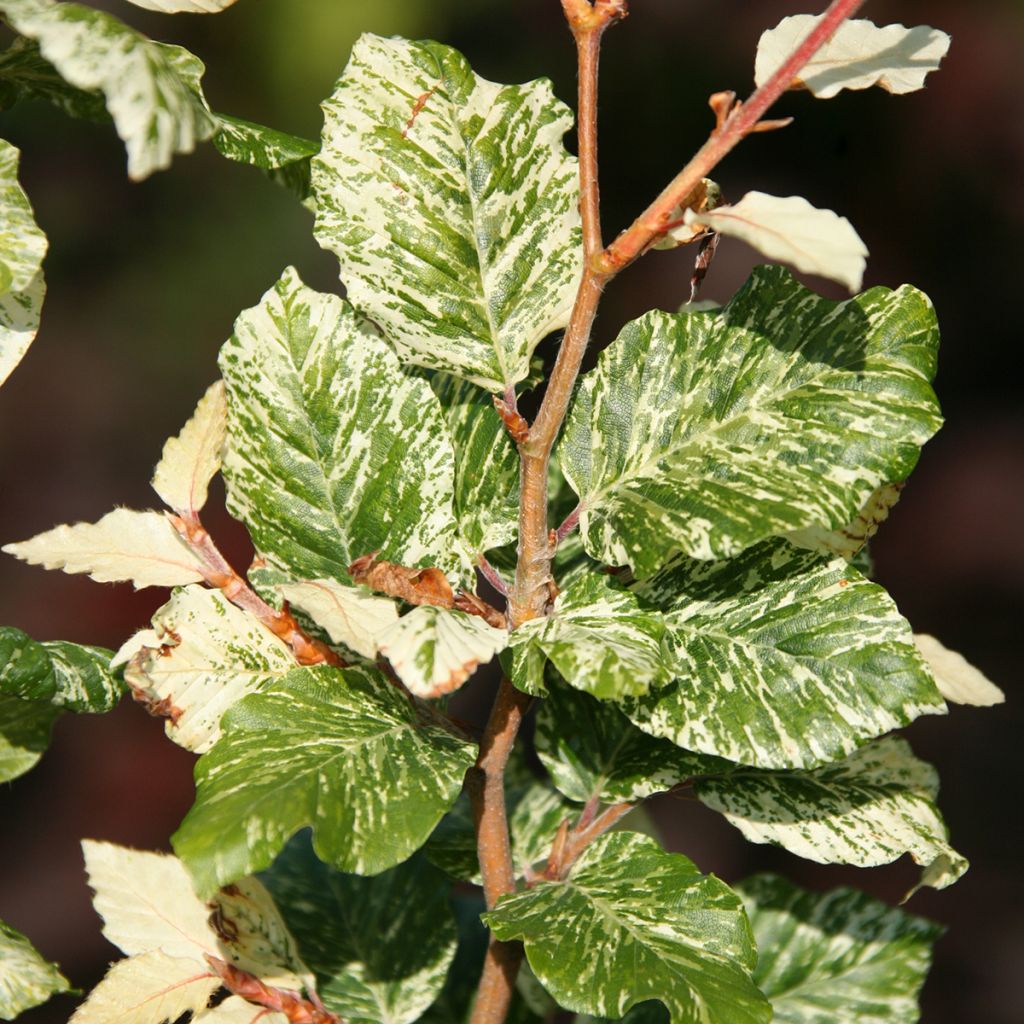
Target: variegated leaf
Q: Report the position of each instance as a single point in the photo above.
(849, 541)
(333, 452)
(591, 749)
(790, 230)
(201, 656)
(184, 6)
(486, 465)
(434, 650)
(155, 108)
(599, 639)
(152, 988)
(285, 158)
(870, 809)
(24, 734)
(452, 207)
(142, 547)
(811, 406)
(782, 659)
(839, 956)
(957, 679)
(22, 243)
(343, 751)
(859, 54)
(396, 976)
(148, 904)
(26, 74)
(192, 458)
(351, 615)
(26, 979)
(633, 923)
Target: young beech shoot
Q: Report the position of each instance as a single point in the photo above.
(674, 553)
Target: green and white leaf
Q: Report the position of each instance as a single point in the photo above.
(152, 988)
(851, 539)
(26, 74)
(868, 810)
(192, 459)
(26, 979)
(452, 206)
(859, 54)
(790, 230)
(333, 451)
(435, 650)
(184, 6)
(782, 659)
(201, 656)
(24, 734)
(343, 751)
(22, 248)
(148, 904)
(155, 108)
(22, 243)
(839, 956)
(632, 923)
(352, 616)
(591, 749)
(486, 465)
(142, 547)
(812, 405)
(396, 976)
(285, 158)
(598, 637)
(957, 679)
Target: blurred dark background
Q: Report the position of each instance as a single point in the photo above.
(146, 279)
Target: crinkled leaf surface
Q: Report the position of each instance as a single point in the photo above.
(142, 547)
(191, 459)
(452, 207)
(957, 679)
(351, 615)
(285, 158)
(435, 650)
(380, 947)
(632, 923)
(26, 979)
(486, 465)
(333, 451)
(152, 988)
(341, 750)
(201, 656)
(859, 54)
(155, 108)
(839, 957)
(870, 809)
(790, 230)
(590, 748)
(708, 432)
(782, 659)
(22, 243)
(599, 639)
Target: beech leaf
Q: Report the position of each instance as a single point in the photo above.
(858, 55)
(184, 6)
(957, 679)
(849, 540)
(26, 979)
(142, 547)
(790, 230)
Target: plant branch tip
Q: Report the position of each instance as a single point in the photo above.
(585, 17)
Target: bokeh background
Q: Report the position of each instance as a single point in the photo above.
(146, 279)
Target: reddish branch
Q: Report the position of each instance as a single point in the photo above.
(273, 1000)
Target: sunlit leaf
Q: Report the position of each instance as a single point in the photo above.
(26, 979)
(184, 6)
(957, 679)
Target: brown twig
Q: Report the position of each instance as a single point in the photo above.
(569, 844)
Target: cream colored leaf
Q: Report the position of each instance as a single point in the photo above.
(236, 1010)
(434, 650)
(351, 615)
(184, 6)
(792, 231)
(124, 545)
(192, 458)
(957, 679)
(153, 988)
(859, 54)
(202, 656)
